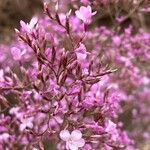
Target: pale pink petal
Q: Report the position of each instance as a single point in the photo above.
(82, 9)
(64, 135)
(1, 75)
(85, 2)
(76, 135)
(14, 110)
(93, 13)
(85, 14)
(79, 143)
(23, 25)
(89, 9)
(30, 125)
(72, 146)
(81, 52)
(111, 126)
(4, 137)
(33, 22)
(16, 53)
(67, 145)
(22, 127)
(79, 15)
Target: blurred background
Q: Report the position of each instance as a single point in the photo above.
(12, 11)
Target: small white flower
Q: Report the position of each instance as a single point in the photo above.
(73, 140)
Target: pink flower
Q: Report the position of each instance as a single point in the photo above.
(17, 53)
(85, 2)
(81, 52)
(14, 110)
(27, 27)
(85, 14)
(111, 128)
(4, 137)
(1, 75)
(116, 40)
(26, 122)
(73, 140)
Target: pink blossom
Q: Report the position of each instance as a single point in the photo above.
(85, 14)
(1, 75)
(85, 2)
(4, 137)
(117, 40)
(26, 122)
(17, 53)
(111, 128)
(14, 110)
(74, 140)
(27, 27)
(81, 52)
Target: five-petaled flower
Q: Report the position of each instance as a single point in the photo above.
(73, 140)
(85, 14)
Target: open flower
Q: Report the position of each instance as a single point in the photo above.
(85, 14)
(73, 140)
(27, 27)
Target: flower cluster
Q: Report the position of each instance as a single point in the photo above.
(58, 86)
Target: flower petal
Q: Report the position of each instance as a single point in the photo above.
(22, 127)
(79, 15)
(64, 135)
(24, 26)
(89, 8)
(33, 22)
(76, 135)
(30, 125)
(93, 13)
(16, 52)
(79, 143)
(72, 146)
